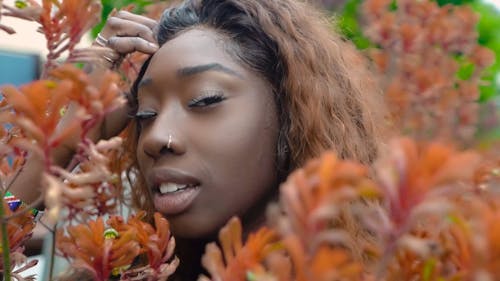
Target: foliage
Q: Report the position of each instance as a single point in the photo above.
(110, 250)
(351, 24)
(425, 210)
(489, 37)
(86, 195)
(62, 22)
(430, 69)
(420, 217)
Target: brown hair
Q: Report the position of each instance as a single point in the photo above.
(325, 96)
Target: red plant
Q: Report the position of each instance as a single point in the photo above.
(236, 261)
(94, 189)
(421, 48)
(36, 110)
(411, 174)
(314, 200)
(113, 250)
(87, 247)
(156, 243)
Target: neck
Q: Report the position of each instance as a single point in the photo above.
(255, 218)
(189, 252)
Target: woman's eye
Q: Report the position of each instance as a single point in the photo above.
(206, 100)
(144, 115)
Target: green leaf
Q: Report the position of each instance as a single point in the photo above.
(465, 71)
(21, 4)
(429, 267)
(348, 24)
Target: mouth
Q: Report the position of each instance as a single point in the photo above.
(173, 191)
(170, 188)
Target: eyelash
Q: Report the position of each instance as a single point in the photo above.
(207, 99)
(201, 101)
(142, 116)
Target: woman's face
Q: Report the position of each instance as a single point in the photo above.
(208, 133)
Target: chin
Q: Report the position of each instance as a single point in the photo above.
(186, 227)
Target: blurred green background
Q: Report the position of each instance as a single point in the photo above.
(488, 29)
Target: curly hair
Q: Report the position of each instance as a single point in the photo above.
(325, 96)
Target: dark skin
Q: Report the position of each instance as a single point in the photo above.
(221, 122)
(208, 121)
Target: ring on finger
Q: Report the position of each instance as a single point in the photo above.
(113, 57)
(112, 61)
(101, 41)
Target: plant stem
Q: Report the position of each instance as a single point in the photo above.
(5, 243)
(52, 253)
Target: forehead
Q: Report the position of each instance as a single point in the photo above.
(193, 47)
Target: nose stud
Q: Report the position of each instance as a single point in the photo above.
(169, 141)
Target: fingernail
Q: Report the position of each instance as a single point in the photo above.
(153, 45)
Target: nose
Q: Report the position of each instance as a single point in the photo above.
(163, 137)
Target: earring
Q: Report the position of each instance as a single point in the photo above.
(169, 141)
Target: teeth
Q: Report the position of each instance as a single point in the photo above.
(171, 187)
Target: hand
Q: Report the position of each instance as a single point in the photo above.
(125, 33)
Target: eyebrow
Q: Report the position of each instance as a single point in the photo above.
(193, 70)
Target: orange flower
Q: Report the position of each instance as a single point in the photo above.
(94, 189)
(325, 262)
(319, 233)
(86, 247)
(37, 108)
(412, 173)
(96, 99)
(64, 22)
(312, 196)
(235, 261)
(334, 264)
(487, 240)
(155, 241)
(421, 184)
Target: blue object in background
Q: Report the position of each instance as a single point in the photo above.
(18, 68)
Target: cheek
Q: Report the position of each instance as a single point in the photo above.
(241, 156)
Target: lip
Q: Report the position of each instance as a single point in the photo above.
(176, 202)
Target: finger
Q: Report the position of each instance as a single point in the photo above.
(150, 23)
(102, 56)
(93, 52)
(120, 27)
(125, 45)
